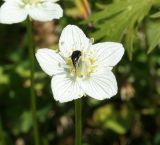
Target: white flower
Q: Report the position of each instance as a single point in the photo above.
(15, 11)
(81, 68)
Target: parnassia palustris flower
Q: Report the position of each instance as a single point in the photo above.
(81, 68)
(15, 11)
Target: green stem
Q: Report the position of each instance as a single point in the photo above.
(78, 122)
(32, 93)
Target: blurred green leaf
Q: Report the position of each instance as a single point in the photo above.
(106, 117)
(129, 40)
(103, 113)
(4, 78)
(43, 113)
(120, 19)
(115, 126)
(24, 124)
(153, 34)
(155, 15)
(109, 11)
(114, 21)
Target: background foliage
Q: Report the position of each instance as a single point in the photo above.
(131, 117)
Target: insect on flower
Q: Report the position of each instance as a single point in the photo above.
(75, 57)
(15, 11)
(80, 67)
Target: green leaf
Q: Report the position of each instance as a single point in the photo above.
(115, 126)
(156, 2)
(153, 34)
(155, 15)
(129, 41)
(114, 21)
(24, 123)
(103, 113)
(120, 19)
(107, 118)
(109, 11)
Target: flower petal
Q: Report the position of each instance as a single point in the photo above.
(65, 89)
(108, 53)
(47, 11)
(50, 61)
(11, 12)
(72, 38)
(100, 86)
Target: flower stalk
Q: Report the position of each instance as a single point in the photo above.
(32, 93)
(78, 121)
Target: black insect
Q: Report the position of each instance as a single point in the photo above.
(75, 57)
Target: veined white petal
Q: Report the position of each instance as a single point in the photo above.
(11, 12)
(46, 11)
(100, 85)
(72, 38)
(108, 53)
(65, 89)
(50, 61)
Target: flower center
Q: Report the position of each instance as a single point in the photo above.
(83, 67)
